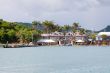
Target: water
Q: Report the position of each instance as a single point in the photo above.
(55, 59)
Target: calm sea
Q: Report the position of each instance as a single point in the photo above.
(55, 59)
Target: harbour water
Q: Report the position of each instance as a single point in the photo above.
(55, 59)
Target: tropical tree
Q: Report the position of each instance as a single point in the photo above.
(1, 34)
(49, 26)
(104, 37)
(82, 31)
(12, 35)
(13, 32)
(92, 36)
(24, 35)
(55, 28)
(12, 25)
(75, 26)
(60, 29)
(35, 35)
(66, 28)
(35, 24)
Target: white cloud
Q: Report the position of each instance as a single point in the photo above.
(87, 12)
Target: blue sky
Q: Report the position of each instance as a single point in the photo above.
(91, 14)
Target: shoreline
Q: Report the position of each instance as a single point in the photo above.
(27, 45)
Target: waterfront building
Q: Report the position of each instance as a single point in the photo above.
(80, 38)
(59, 37)
(65, 38)
(103, 38)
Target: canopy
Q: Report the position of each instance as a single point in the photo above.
(46, 41)
(90, 39)
(104, 33)
(79, 41)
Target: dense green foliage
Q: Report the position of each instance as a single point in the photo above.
(16, 32)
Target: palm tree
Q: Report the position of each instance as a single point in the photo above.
(35, 24)
(66, 28)
(82, 31)
(75, 26)
(57, 28)
(93, 36)
(49, 26)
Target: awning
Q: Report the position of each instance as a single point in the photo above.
(79, 41)
(46, 41)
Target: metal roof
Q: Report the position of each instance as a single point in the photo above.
(104, 33)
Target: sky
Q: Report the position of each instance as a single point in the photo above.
(91, 14)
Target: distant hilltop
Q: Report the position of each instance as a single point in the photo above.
(106, 29)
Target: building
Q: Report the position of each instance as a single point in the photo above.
(65, 38)
(59, 37)
(103, 38)
(80, 38)
(100, 36)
